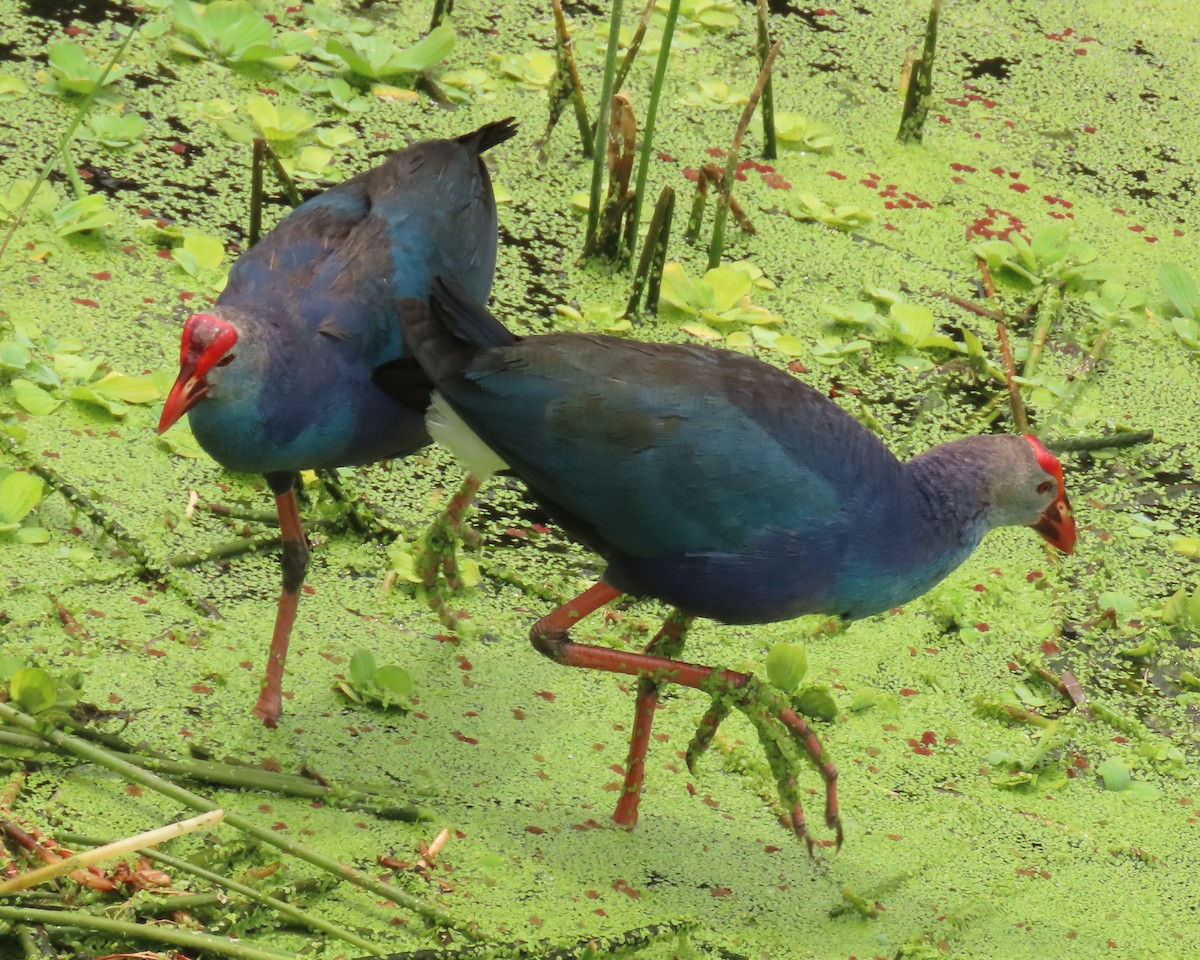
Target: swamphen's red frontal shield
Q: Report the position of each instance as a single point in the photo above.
(277, 376)
(721, 485)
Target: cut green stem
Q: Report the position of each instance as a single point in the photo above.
(1015, 402)
(643, 169)
(709, 173)
(919, 93)
(1109, 441)
(243, 776)
(256, 192)
(87, 751)
(441, 10)
(153, 932)
(725, 197)
(770, 150)
(635, 44)
(1049, 304)
(654, 255)
(601, 131)
(223, 551)
(565, 54)
(284, 909)
(285, 181)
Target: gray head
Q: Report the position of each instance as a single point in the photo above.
(1008, 481)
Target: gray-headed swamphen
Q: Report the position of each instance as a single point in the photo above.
(720, 485)
(277, 376)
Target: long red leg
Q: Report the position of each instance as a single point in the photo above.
(668, 642)
(549, 637)
(294, 564)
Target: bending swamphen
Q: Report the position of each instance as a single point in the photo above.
(276, 377)
(721, 485)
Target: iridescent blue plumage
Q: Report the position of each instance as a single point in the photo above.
(713, 481)
(277, 376)
(314, 306)
(721, 485)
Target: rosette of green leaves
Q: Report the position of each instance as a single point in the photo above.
(116, 131)
(235, 33)
(43, 371)
(73, 71)
(375, 57)
(1181, 291)
(720, 306)
(20, 494)
(389, 685)
(1052, 256)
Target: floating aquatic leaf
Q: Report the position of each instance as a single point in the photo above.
(32, 398)
(804, 205)
(714, 95)
(800, 133)
(394, 680)
(74, 72)
(34, 689)
(233, 31)
(86, 213)
(14, 356)
(533, 71)
(87, 395)
(786, 665)
(376, 57)
(180, 441)
(20, 493)
(114, 130)
(818, 703)
(388, 685)
(136, 390)
(279, 123)
(11, 87)
(910, 322)
(1180, 289)
(362, 667)
(462, 84)
(1114, 773)
(43, 205)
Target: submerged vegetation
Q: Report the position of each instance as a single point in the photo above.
(1017, 750)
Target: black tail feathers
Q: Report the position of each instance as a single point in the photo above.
(444, 333)
(468, 321)
(489, 134)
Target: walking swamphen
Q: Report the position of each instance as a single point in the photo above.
(720, 485)
(276, 377)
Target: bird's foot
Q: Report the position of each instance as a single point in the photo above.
(785, 736)
(268, 709)
(437, 565)
(440, 574)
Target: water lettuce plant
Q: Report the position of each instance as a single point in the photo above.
(114, 131)
(20, 494)
(235, 33)
(375, 57)
(388, 686)
(1180, 289)
(73, 71)
(1054, 255)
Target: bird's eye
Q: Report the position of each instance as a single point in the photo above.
(224, 361)
(1044, 487)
